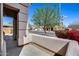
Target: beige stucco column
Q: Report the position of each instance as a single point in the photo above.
(23, 17)
(0, 29)
(22, 20)
(3, 43)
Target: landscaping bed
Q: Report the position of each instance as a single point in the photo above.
(68, 34)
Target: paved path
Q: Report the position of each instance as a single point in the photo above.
(11, 46)
(34, 50)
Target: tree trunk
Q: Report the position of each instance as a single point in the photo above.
(44, 29)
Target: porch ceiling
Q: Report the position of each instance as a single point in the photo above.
(25, 4)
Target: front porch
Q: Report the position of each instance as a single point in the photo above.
(34, 44)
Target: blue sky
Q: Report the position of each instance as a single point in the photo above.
(70, 11)
(7, 20)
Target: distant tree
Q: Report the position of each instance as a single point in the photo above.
(47, 17)
(74, 24)
(10, 23)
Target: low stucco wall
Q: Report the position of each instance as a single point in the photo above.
(52, 43)
(58, 45)
(73, 49)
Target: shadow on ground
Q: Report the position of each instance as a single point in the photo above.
(11, 46)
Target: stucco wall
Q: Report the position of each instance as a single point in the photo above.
(0, 22)
(0, 29)
(8, 30)
(22, 20)
(61, 46)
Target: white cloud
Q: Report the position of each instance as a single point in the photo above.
(64, 16)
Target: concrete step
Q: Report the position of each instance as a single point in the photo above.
(35, 50)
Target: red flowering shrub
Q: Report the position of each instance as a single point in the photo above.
(69, 34)
(73, 34)
(61, 34)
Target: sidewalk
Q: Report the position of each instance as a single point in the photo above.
(35, 50)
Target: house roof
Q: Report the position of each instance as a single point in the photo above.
(7, 26)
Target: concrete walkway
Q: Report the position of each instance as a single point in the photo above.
(11, 46)
(35, 50)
